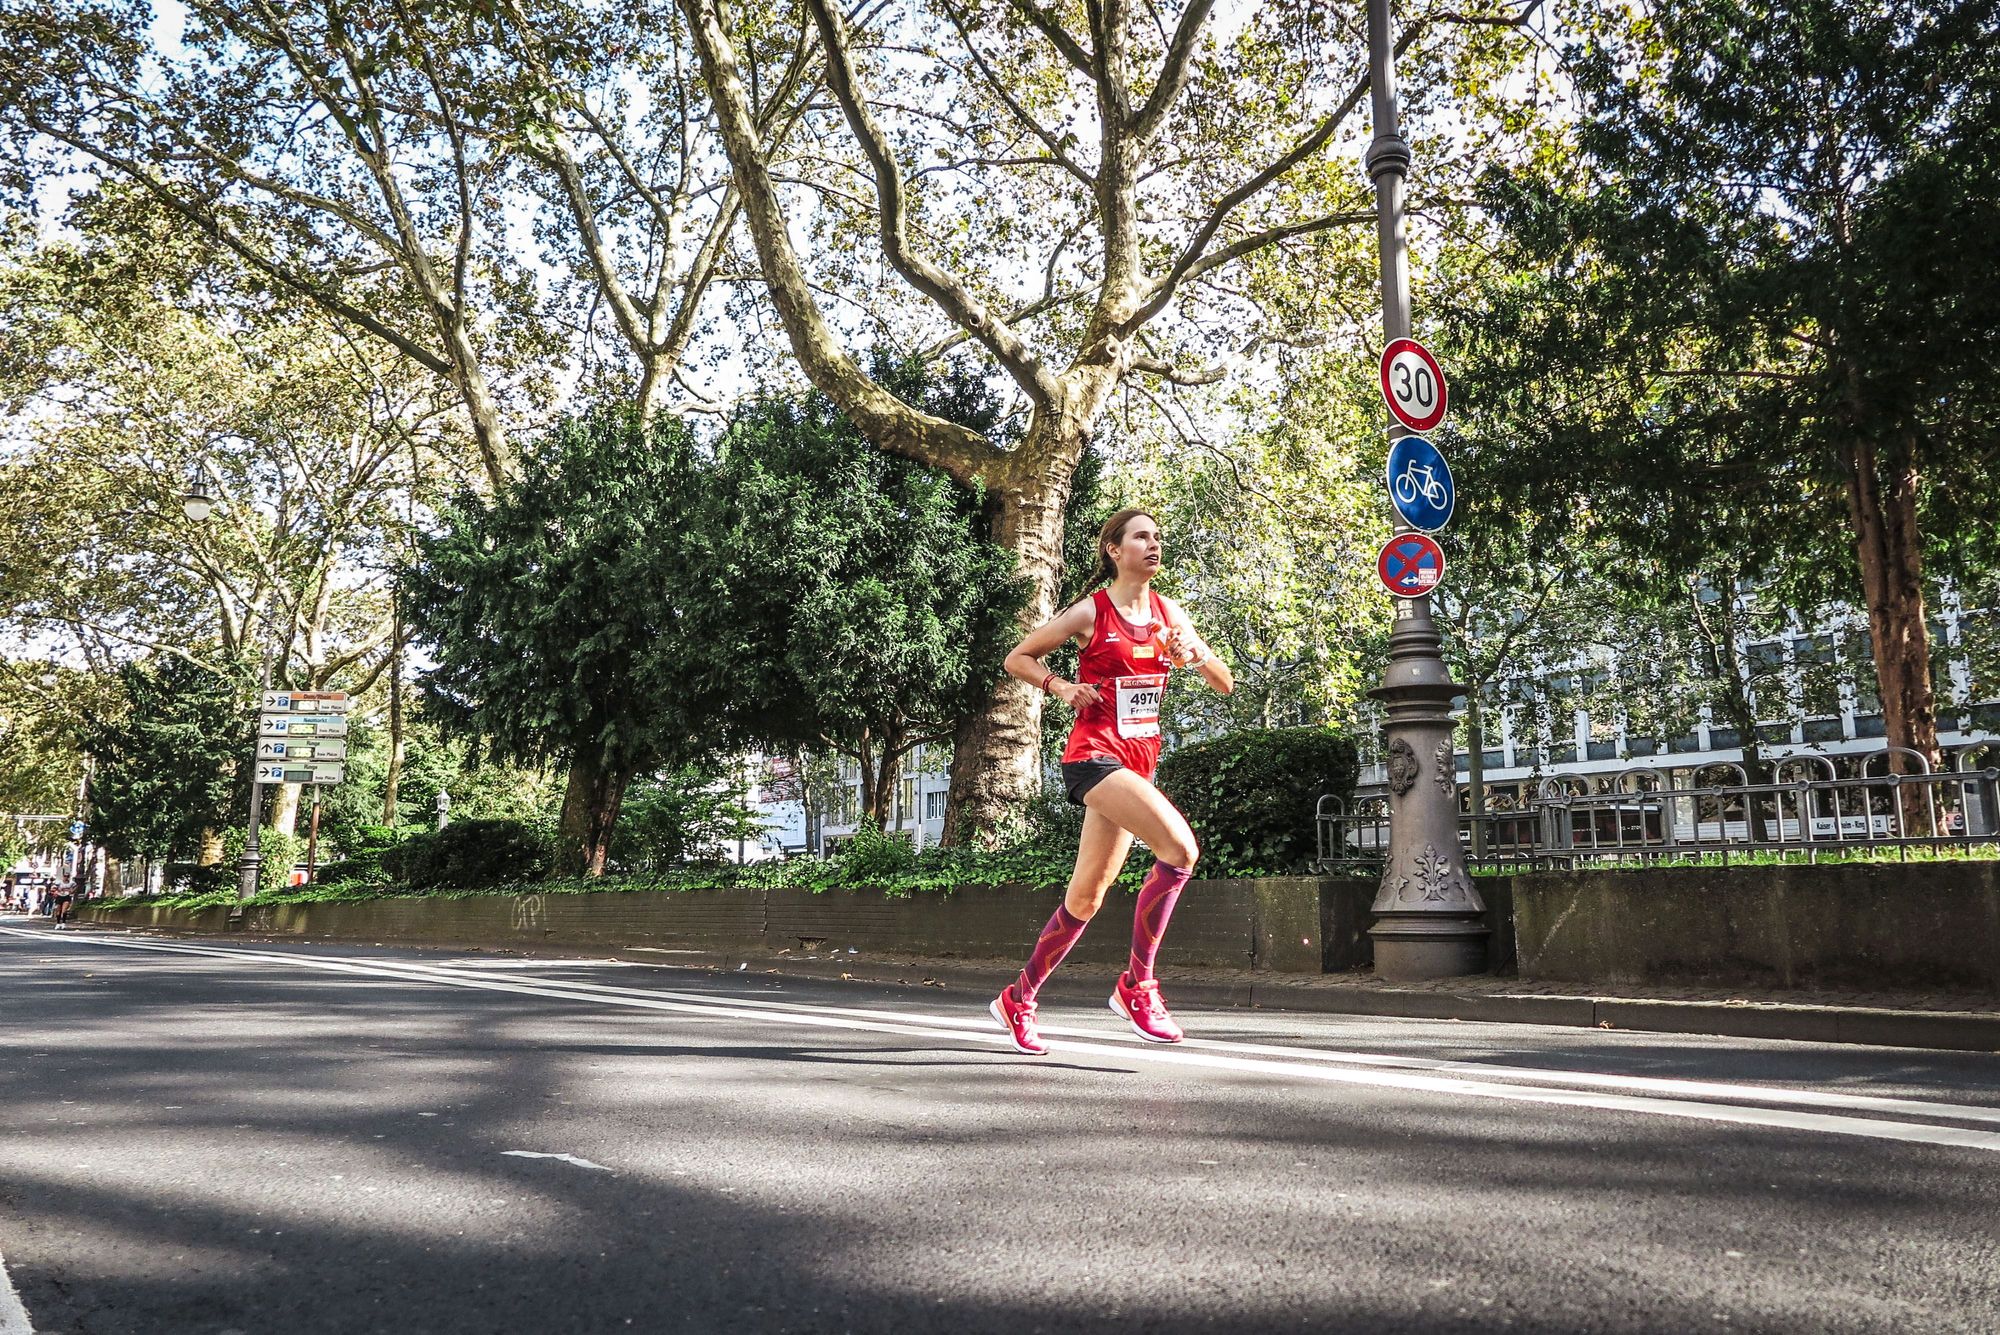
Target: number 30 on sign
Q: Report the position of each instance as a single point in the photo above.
(1413, 385)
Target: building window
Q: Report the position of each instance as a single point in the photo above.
(907, 805)
(1820, 673)
(934, 805)
(1766, 664)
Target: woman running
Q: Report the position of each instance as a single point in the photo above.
(1130, 636)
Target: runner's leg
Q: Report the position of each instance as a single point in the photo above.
(1099, 854)
(1134, 804)
(1158, 894)
(1137, 805)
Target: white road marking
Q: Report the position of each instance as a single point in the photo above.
(1214, 1056)
(13, 1316)
(565, 1158)
(1673, 1087)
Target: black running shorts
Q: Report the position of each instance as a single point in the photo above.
(1080, 776)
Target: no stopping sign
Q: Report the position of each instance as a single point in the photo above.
(1410, 564)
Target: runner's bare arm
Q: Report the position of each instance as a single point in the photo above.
(1025, 662)
(1190, 650)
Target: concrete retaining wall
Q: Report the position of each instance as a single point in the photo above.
(1916, 926)
(1271, 924)
(1919, 925)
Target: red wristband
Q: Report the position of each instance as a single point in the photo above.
(1045, 682)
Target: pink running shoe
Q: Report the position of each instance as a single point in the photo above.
(1018, 1019)
(1141, 1004)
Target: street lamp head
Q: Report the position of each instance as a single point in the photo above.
(198, 501)
(443, 801)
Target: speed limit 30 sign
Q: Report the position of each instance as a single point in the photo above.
(1413, 385)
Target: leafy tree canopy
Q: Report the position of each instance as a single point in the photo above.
(171, 761)
(554, 614)
(852, 598)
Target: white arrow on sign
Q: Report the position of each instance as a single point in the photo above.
(308, 702)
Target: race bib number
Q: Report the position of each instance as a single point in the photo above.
(1138, 705)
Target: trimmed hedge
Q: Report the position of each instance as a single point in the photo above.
(1250, 796)
(468, 854)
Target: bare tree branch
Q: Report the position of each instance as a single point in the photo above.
(1174, 70)
(957, 301)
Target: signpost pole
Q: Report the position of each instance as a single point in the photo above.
(312, 839)
(252, 860)
(1429, 921)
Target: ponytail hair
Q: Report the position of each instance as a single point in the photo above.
(1113, 532)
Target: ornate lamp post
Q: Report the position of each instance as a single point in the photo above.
(1429, 921)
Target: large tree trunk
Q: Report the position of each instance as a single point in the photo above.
(888, 772)
(285, 808)
(996, 759)
(1882, 502)
(589, 814)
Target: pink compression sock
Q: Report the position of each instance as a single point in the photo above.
(1057, 937)
(1157, 895)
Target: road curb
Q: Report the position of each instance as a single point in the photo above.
(1956, 1031)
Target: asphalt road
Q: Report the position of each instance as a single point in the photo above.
(229, 1137)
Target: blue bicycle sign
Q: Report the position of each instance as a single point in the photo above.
(1420, 484)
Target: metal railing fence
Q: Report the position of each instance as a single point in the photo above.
(1806, 816)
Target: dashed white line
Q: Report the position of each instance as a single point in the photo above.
(1410, 1074)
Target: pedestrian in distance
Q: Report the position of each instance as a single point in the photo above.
(1130, 638)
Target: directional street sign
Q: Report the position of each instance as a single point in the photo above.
(274, 771)
(301, 737)
(1410, 565)
(272, 748)
(305, 702)
(1420, 485)
(302, 725)
(1413, 385)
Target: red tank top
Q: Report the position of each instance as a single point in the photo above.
(1128, 665)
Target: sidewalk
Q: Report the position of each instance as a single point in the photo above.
(1956, 1021)
(1960, 1021)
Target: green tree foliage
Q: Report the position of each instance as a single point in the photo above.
(552, 614)
(40, 707)
(850, 598)
(1268, 502)
(1250, 796)
(1750, 309)
(689, 814)
(480, 787)
(170, 762)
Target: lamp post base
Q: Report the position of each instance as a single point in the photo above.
(1420, 947)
